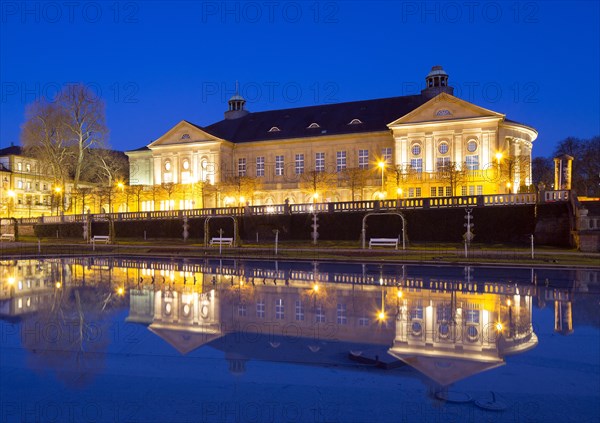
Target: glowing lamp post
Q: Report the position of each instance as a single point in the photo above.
(57, 190)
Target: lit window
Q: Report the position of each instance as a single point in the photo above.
(299, 164)
(320, 162)
(242, 167)
(442, 163)
(19, 166)
(433, 191)
(279, 310)
(28, 167)
(479, 189)
(341, 314)
(443, 147)
(299, 310)
(448, 192)
(441, 191)
(386, 154)
(411, 192)
(418, 192)
(260, 166)
(472, 162)
(20, 184)
(313, 125)
(416, 150)
(340, 161)
(416, 165)
(274, 129)
(278, 165)
(363, 159)
(167, 165)
(472, 146)
(355, 122)
(472, 190)
(260, 309)
(319, 315)
(463, 191)
(186, 164)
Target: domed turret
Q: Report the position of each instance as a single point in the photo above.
(236, 105)
(436, 82)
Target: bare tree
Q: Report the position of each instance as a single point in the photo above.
(542, 172)
(45, 137)
(356, 179)
(105, 166)
(84, 116)
(137, 191)
(453, 174)
(318, 183)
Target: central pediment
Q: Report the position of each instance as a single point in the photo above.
(184, 133)
(444, 107)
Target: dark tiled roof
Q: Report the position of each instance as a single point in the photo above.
(144, 148)
(13, 150)
(332, 119)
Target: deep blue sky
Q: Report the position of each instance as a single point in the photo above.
(156, 63)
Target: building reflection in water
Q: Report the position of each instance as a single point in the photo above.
(447, 328)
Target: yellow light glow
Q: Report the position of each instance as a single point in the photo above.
(508, 185)
(58, 285)
(399, 191)
(381, 315)
(11, 281)
(316, 195)
(11, 193)
(57, 189)
(399, 294)
(499, 327)
(120, 291)
(498, 156)
(242, 199)
(316, 288)
(381, 165)
(508, 302)
(120, 185)
(381, 195)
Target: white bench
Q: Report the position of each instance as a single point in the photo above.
(9, 237)
(383, 242)
(101, 238)
(221, 241)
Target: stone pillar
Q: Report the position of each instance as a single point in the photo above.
(563, 168)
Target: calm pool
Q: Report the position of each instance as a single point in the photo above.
(150, 340)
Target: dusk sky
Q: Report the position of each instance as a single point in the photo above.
(156, 63)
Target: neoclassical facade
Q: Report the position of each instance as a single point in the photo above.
(427, 145)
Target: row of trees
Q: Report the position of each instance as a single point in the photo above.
(586, 165)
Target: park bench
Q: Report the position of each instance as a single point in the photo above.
(8, 237)
(221, 241)
(101, 238)
(383, 242)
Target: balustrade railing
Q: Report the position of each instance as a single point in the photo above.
(339, 207)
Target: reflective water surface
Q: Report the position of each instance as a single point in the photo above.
(142, 340)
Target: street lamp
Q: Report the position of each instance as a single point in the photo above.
(382, 166)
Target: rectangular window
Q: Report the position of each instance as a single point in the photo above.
(319, 315)
(19, 166)
(472, 190)
(472, 316)
(20, 184)
(416, 313)
(441, 191)
(363, 159)
(472, 162)
(28, 167)
(341, 314)
(242, 310)
(299, 310)
(242, 167)
(463, 191)
(411, 193)
(299, 164)
(442, 163)
(260, 309)
(279, 310)
(340, 161)
(45, 187)
(418, 192)
(433, 191)
(260, 166)
(278, 165)
(479, 189)
(28, 186)
(416, 165)
(448, 192)
(386, 154)
(320, 162)
(363, 321)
